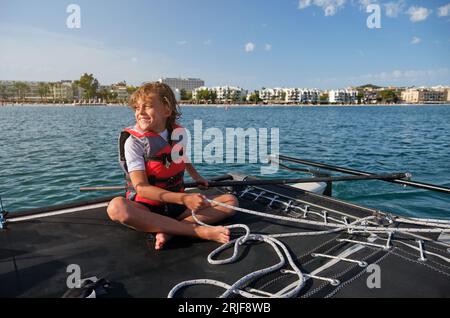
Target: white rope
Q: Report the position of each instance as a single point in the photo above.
(279, 247)
(424, 222)
(423, 250)
(236, 287)
(360, 263)
(432, 220)
(328, 224)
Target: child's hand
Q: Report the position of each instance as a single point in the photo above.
(195, 201)
(202, 182)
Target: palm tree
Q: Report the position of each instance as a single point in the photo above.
(3, 91)
(21, 89)
(43, 90)
(51, 89)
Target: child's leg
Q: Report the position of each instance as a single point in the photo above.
(214, 213)
(209, 215)
(138, 217)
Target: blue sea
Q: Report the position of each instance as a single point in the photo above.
(48, 152)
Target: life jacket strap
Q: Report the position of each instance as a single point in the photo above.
(152, 180)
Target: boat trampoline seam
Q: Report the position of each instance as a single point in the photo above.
(423, 263)
(437, 249)
(323, 284)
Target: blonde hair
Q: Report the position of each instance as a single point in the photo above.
(166, 96)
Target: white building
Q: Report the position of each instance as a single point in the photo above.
(290, 95)
(37, 91)
(309, 95)
(343, 96)
(26, 90)
(188, 84)
(271, 94)
(426, 95)
(121, 90)
(62, 90)
(223, 93)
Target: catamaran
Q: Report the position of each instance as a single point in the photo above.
(290, 238)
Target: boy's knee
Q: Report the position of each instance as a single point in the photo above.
(117, 210)
(231, 200)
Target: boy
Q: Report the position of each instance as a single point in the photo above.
(156, 201)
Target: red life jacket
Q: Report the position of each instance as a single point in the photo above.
(161, 171)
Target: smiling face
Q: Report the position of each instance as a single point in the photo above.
(151, 114)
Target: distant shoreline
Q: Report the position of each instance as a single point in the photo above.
(312, 106)
(228, 105)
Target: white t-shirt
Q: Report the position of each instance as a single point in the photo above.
(134, 153)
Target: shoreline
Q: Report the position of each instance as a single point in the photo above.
(226, 106)
(309, 106)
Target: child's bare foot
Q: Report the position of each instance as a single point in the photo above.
(161, 239)
(215, 233)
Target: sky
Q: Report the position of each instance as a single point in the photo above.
(323, 44)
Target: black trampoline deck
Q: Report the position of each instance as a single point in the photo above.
(35, 255)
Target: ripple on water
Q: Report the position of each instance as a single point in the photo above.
(64, 148)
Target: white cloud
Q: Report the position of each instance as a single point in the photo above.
(394, 8)
(304, 4)
(329, 7)
(267, 47)
(249, 47)
(415, 40)
(417, 14)
(207, 42)
(183, 42)
(444, 11)
(365, 3)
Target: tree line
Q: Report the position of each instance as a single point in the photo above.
(87, 88)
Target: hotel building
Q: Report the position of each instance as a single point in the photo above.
(188, 84)
(425, 95)
(223, 93)
(343, 96)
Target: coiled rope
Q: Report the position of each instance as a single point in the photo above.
(281, 250)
